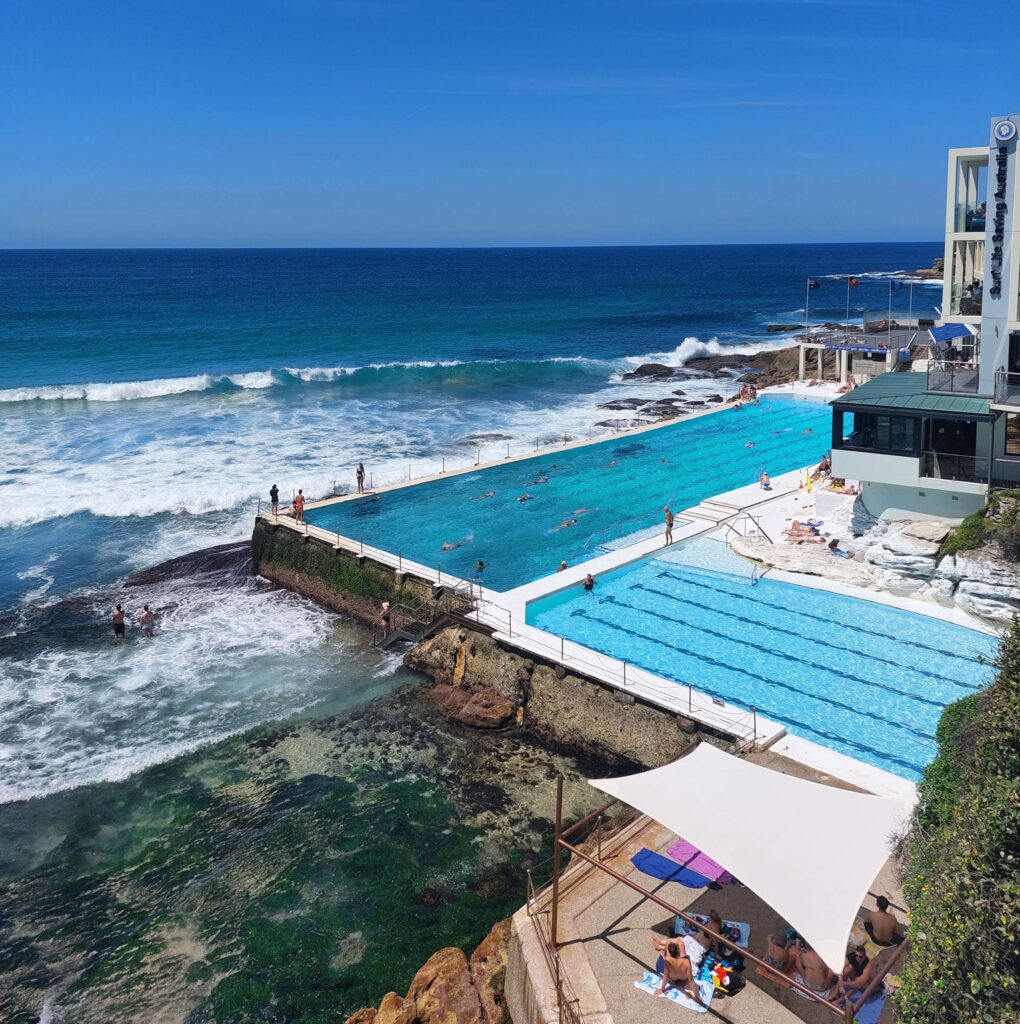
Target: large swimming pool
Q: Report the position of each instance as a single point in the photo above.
(613, 488)
(859, 677)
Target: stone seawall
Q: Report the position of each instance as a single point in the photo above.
(472, 669)
(337, 578)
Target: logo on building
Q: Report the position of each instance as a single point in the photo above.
(1004, 131)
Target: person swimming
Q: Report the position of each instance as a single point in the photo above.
(487, 494)
(453, 545)
(750, 444)
(566, 523)
(540, 480)
(524, 497)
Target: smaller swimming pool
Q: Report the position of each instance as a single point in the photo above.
(862, 678)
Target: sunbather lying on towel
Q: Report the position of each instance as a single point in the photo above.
(802, 533)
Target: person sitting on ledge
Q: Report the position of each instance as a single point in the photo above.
(882, 926)
(823, 468)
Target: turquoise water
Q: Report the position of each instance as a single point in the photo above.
(612, 488)
(858, 677)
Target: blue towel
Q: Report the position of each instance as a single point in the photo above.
(657, 866)
(869, 1012)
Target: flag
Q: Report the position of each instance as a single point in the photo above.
(853, 282)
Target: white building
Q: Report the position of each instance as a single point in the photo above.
(934, 442)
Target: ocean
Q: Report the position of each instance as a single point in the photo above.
(148, 399)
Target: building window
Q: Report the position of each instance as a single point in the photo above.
(883, 433)
(1012, 433)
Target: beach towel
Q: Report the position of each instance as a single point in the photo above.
(737, 932)
(691, 857)
(650, 981)
(657, 866)
(868, 1013)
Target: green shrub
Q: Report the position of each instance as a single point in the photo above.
(971, 533)
(962, 879)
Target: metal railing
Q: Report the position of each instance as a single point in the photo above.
(747, 525)
(951, 466)
(945, 375)
(1007, 388)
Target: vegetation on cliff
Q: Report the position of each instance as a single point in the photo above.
(963, 851)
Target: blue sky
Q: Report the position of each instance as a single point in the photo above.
(325, 122)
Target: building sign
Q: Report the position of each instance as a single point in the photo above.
(999, 220)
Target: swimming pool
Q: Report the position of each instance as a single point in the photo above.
(862, 678)
(613, 488)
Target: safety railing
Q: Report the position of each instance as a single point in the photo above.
(947, 376)
(678, 697)
(1007, 388)
(746, 525)
(950, 466)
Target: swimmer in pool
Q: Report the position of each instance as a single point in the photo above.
(610, 465)
(453, 545)
(580, 511)
(566, 523)
(541, 480)
(806, 431)
(750, 444)
(524, 497)
(487, 494)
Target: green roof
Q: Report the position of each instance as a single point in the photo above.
(906, 392)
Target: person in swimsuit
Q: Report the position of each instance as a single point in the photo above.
(811, 970)
(360, 477)
(524, 497)
(274, 499)
(118, 623)
(777, 953)
(299, 507)
(764, 482)
(715, 923)
(453, 545)
(677, 971)
(589, 583)
(882, 926)
(479, 569)
(384, 618)
(148, 622)
(561, 567)
(669, 523)
(566, 523)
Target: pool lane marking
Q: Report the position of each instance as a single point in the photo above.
(729, 614)
(766, 679)
(808, 615)
(780, 716)
(772, 652)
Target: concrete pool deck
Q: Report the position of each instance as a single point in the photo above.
(605, 931)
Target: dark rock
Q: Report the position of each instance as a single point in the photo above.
(679, 392)
(233, 559)
(783, 328)
(655, 371)
(714, 398)
(477, 439)
(625, 403)
(485, 710)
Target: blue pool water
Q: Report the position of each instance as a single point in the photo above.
(612, 488)
(861, 678)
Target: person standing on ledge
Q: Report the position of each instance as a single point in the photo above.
(669, 523)
(148, 622)
(299, 506)
(360, 475)
(118, 624)
(274, 499)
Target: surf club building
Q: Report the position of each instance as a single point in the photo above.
(933, 441)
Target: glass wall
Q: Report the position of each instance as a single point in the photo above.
(876, 432)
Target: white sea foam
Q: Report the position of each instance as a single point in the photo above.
(694, 348)
(225, 657)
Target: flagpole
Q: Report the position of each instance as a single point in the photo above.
(888, 321)
(807, 308)
(846, 329)
(911, 302)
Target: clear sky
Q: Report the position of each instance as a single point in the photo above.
(468, 122)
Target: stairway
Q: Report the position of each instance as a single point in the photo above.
(712, 510)
(410, 633)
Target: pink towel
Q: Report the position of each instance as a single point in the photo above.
(691, 857)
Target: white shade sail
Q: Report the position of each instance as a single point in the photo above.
(809, 851)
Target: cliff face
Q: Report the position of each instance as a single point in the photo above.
(450, 988)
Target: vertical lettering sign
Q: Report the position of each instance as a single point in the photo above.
(1003, 132)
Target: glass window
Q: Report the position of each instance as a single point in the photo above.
(884, 433)
(1013, 433)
